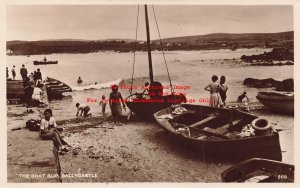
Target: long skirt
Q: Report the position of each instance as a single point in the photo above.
(215, 100)
(116, 109)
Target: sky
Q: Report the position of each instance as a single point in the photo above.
(97, 22)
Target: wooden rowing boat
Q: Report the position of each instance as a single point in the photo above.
(56, 88)
(44, 62)
(259, 170)
(277, 102)
(221, 133)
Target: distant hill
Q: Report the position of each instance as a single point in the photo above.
(199, 42)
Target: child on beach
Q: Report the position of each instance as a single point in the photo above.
(83, 110)
(48, 130)
(103, 103)
(242, 96)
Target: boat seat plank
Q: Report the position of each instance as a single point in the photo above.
(210, 118)
(222, 130)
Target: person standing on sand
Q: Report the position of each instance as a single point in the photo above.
(223, 89)
(83, 110)
(23, 72)
(214, 89)
(7, 73)
(38, 76)
(115, 99)
(48, 131)
(103, 103)
(13, 72)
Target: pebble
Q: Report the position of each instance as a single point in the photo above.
(119, 163)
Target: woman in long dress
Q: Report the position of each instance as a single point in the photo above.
(115, 100)
(214, 89)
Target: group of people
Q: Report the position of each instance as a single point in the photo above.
(13, 73)
(218, 92)
(32, 84)
(115, 100)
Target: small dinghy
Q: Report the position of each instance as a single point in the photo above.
(277, 102)
(259, 170)
(55, 88)
(221, 133)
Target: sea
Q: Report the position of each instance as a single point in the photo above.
(190, 71)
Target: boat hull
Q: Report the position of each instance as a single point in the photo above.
(44, 62)
(265, 146)
(146, 109)
(276, 171)
(56, 88)
(277, 102)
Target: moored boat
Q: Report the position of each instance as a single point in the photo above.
(221, 133)
(259, 170)
(146, 105)
(277, 102)
(56, 88)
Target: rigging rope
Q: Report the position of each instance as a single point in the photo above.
(135, 44)
(162, 50)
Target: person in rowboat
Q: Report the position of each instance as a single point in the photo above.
(214, 89)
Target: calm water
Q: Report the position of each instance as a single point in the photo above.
(192, 68)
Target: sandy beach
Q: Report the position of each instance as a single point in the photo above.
(135, 151)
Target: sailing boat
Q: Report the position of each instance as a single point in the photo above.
(146, 105)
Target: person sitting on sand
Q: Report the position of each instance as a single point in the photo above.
(48, 131)
(223, 89)
(79, 81)
(103, 103)
(83, 110)
(115, 99)
(242, 96)
(214, 89)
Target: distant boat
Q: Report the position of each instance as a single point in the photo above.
(277, 102)
(259, 170)
(220, 132)
(44, 62)
(55, 88)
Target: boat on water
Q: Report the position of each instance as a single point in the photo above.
(221, 133)
(258, 170)
(56, 88)
(44, 62)
(277, 102)
(145, 105)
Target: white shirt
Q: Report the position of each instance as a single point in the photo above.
(45, 124)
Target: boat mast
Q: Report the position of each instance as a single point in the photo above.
(148, 46)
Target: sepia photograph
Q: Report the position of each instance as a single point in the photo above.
(108, 93)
